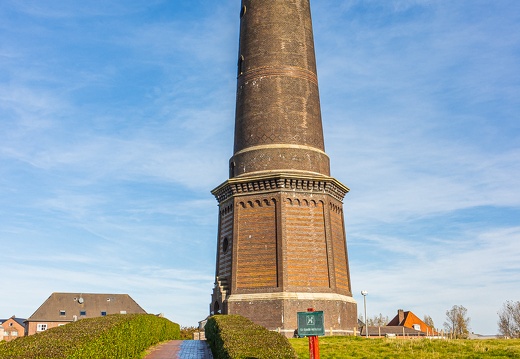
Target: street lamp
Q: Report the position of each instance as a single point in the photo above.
(364, 293)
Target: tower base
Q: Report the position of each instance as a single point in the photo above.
(278, 311)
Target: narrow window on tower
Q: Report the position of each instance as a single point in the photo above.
(216, 308)
(231, 169)
(240, 65)
(225, 245)
(243, 11)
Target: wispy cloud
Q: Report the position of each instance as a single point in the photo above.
(430, 277)
(420, 106)
(116, 121)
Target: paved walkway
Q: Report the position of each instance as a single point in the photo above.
(181, 349)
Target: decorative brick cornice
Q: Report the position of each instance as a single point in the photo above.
(280, 182)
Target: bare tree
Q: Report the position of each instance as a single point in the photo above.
(428, 321)
(378, 320)
(457, 322)
(509, 319)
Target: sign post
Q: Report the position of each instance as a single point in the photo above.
(310, 324)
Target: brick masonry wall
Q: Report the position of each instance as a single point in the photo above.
(277, 91)
(340, 249)
(226, 234)
(256, 253)
(339, 316)
(305, 244)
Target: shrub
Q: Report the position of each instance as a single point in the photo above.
(187, 332)
(120, 336)
(236, 337)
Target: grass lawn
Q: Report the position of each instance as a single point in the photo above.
(356, 347)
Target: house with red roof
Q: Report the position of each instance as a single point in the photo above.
(409, 320)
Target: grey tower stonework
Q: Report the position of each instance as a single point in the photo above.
(281, 235)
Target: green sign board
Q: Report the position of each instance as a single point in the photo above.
(310, 324)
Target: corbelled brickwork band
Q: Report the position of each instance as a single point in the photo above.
(281, 71)
(279, 182)
(281, 245)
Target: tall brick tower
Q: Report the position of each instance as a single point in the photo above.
(281, 234)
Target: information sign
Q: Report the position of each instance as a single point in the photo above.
(310, 324)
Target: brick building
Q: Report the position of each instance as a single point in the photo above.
(281, 236)
(12, 328)
(62, 308)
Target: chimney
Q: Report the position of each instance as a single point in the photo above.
(400, 314)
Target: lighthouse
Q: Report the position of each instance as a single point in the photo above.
(281, 242)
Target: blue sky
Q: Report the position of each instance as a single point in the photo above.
(116, 121)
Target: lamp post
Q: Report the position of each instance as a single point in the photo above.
(364, 293)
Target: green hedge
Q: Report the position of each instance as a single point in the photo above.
(120, 336)
(236, 337)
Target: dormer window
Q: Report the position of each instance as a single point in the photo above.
(62, 313)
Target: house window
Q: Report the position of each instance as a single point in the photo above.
(122, 312)
(103, 314)
(83, 312)
(62, 313)
(41, 327)
(14, 333)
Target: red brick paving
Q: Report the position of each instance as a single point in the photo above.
(181, 349)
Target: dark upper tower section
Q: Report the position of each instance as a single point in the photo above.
(278, 119)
